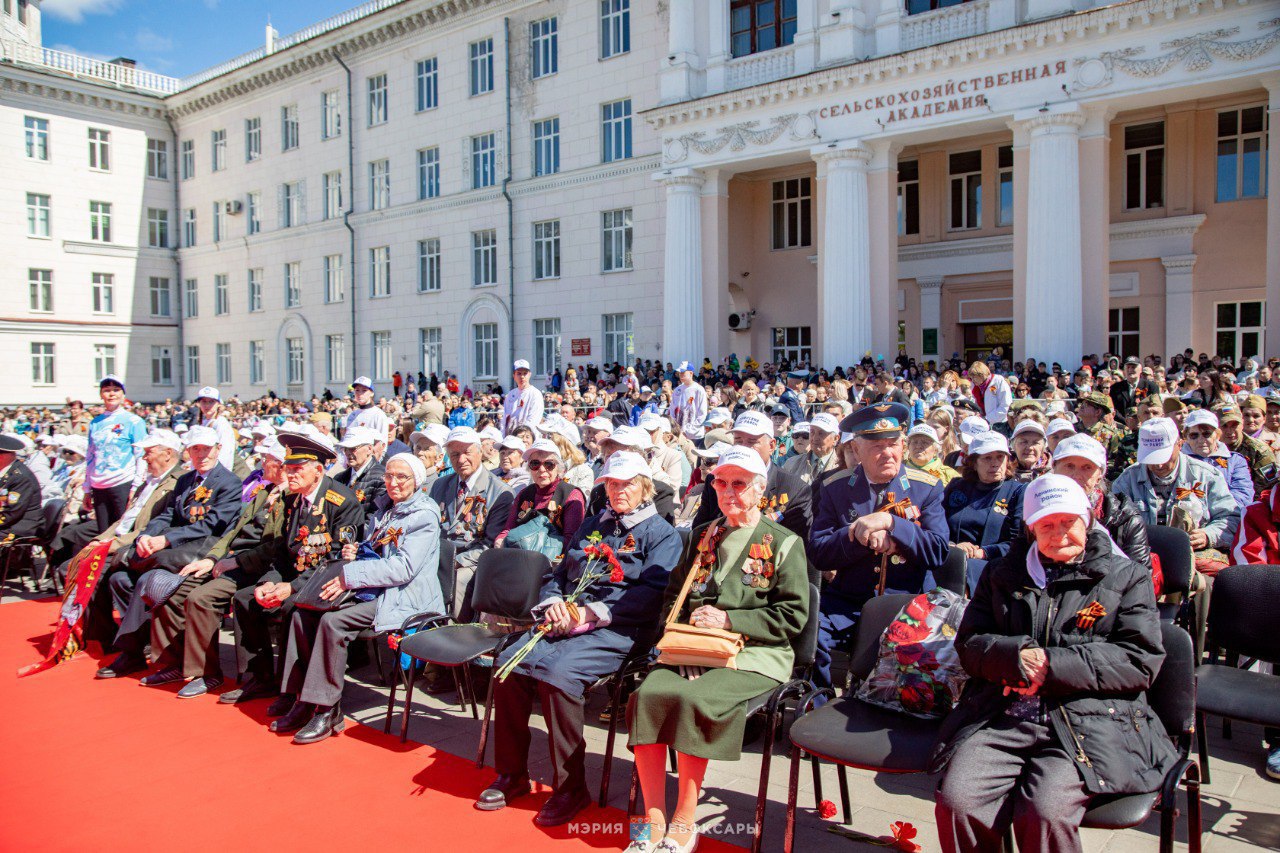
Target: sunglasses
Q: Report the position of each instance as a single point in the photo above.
(535, 464)
(1199, 433)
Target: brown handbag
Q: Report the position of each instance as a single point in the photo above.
(691, 645)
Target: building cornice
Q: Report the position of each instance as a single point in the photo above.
(51, 86)
(1170, 226)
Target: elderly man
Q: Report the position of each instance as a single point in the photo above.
(20, 513)
(428, 445)
(664, 461)
(688, 404)
(523, 403)
(365, 413)
(594, 432)
(635, 440)
(1097, 420)
(878, 527)
(474, 505)
(363, 474)
(824, 433)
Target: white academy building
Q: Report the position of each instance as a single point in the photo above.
(442, 184)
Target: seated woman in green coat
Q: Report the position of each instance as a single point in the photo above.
(750, 576)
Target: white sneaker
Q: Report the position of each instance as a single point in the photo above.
(667, 845)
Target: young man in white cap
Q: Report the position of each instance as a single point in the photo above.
(209, 405)
(824, 433)
(688, 403)
(523, 404)
(111, 462)
(365, 413)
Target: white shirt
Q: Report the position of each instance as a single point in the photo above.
(521, 407)
(140, 498)
(996, 400)
(689, 408)
(372, 417)
(226, 441)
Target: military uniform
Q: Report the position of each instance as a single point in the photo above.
(20, 513)
(1261, 460)
(1109, 435)
(786, 500)
(471, 517)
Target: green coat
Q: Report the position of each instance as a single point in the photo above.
(252, 526)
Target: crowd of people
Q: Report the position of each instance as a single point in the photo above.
(707, 493)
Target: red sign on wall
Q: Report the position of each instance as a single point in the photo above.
(580, 347)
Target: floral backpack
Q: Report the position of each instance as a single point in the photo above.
(918, 671)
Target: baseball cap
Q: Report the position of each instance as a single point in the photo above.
(270, 447)
(74, 443)
(543, 445)
(1198, 417)
(825, 422)
(740, 457)
(437, 434)
(1156, 439)
(364, 381)
(513, 442)
(462, 435)
(208, 392)
(262, 428)
(714, 451)
(800, 428)
(645, 389)
(1053, 494)
(629, 436)
(717, 416)
(491, 432)
(161, 438)
(1028, 426)
(753, 423)
(624, 465)
(972, 427)
(600, 423)
(922, 429)
(988, 442)
(651, 422)
(684, 367)
(521, 364)
(202, 436)
(359, 436)
(111, 379)
(1228, 414)
(1058, 425)
(1084, 446)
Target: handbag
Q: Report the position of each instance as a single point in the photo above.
(692, 645)
(537, 534)
(308, 598)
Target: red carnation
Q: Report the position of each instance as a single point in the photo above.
(902, 835)
(826, 809)
(393, 642)
(616, 576)
(917, 698)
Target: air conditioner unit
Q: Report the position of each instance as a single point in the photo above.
(233, 207)
(740, 321)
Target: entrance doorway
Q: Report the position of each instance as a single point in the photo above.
(981, 338)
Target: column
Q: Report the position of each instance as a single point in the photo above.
(1272, 82)
(844, 287)
(1054, 303)
(1095, 227)
(806, 36)
(1179, 282)
(715, 266)
(717, 17)
(682, 62)
(682, 331)
(888, 25)
(882, 231)
(930, 316)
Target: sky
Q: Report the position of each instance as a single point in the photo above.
(176, 37)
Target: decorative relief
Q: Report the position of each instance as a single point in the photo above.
(736, 137)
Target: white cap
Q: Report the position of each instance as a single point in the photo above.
(201, 435)
(161, 438)
(633, 437)
(46, 440)
(437, 434)
(1053, 494)
(1156, 439)
(800, 428)
(988, 442)
(754, 423)
(1084, 446)
(76, 444)
(653, 423)
(600, 424)
(1198, 417)
(262, 428)
(462, 435)
(1028, 425)
(624, 465)
(714, 451)
(644, 389)
(210, 392)
(1056, 407)
(825, 422)
(513, 442)
(717, 415)
(492, 433)
(365, 381)
(1058, 425)
(181, 428)
(919, 429)
(359, 436)
(520, 364)
(741, 457)
(543, 445)
(971, 427)
(271, 447)
(27, 444)
(684, 367)
(244, 432)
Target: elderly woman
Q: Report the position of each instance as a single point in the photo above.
(511, 468)
(1083, 459)
(587, 638)
(427, 445)
(1054, 711)
(394, 576)
(749, 575)
(577, 472)
(1030, 449)
(984, 506)
(548, 495)
(923, 447)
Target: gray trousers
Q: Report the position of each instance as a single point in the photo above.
(1011, 773)
(315, 661)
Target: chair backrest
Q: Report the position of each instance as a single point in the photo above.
(1242, 611)
(877, 614)
(951, 574)
(1173, 694)
(508, 581)
(805, 644)
(445, 571)
(52, 516)
(1173, 547)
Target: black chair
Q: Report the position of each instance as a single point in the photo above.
(951, 574)
(19, 553)
(1173, 546)
(1242, 623)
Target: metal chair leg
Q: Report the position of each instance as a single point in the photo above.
(817, 781)
(844, 792)
(391, 700)
(1195, 828)
(408, 704)
(607, 769)
(484, 726)
(376, 653)
(774, 722)
(471, 691)
(793, 793)
(1202, 747)
(633, 800)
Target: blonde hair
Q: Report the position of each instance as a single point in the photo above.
(943, 424)
(572, 456)
(978, 371)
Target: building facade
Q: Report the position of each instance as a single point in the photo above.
(439, 186)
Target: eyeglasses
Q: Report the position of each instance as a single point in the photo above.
(399, 479)
(535, 464)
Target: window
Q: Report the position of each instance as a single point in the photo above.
(252, 139)
(296, 360)
(104, 293)
(219, 150)
(616, 227)
(289, 136)
(256, 372)
(1122, 323)
(37, 215)
(618, 343)
(158, 159)
(221, 298)
(377, 100)
(255, 290)
(484, 161)
(760, 25)
(546, 146)
(100, 221)
(293, 284)
(1242, 154)
(485, 338)
(380, 271)
(546, 346)
(332, 195)
(42, 364)
(966, 190)
(191, 298)
(188, 159)
(481, 66)
(157, 228)
(253, 220)
(290, 205)
(1004, 181)
(223, 362)
(428, 85)
(615, 125)
(335, 358)
(484, 257)
(546, 249)
(1240, 329)
(379, 184)
(104, 361)
(161, 296)
(330, 115)
(99, 149)
(792, 213)
(1143, 166)
(792, 344)
(219, 220)
(37, 133)
(908, 197)
(333, 286)
(381, 356)
(915, 7)
(161, 366)
(431, 347)
(615, 27)
(544, 46)
(428, 173)
(429, 265)
(40, 283)
(189, 227)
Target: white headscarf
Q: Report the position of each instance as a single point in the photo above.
(415, 465)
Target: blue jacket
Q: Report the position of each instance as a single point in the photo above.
(406, 573)
(989, 516)
(1234, 470)
(188, 517)
(462, 416)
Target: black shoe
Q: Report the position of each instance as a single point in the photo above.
(168, 675)
(443, 684)
(282, 705)
(123, 665)
(503, 790)
(327, 721)
(299, 715)
(562, 807)
(199, 686)
(251, 689)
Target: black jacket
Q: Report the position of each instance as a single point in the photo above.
(795, 513)
(1126, 527)
(1095, 692)
(194, 514)
(20, 505)
(368, 486)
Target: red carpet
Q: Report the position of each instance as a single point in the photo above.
(104, 766)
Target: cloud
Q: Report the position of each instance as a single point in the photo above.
(152, 42)
(75, 10)
(71, 48)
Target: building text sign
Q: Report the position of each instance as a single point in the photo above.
(580, 346)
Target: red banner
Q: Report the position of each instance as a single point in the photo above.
(82, 579)
(580, 347)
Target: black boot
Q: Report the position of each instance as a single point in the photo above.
(299, 715)
(327, 721)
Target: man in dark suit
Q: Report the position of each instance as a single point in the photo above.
(20, 513)
(363, 474)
